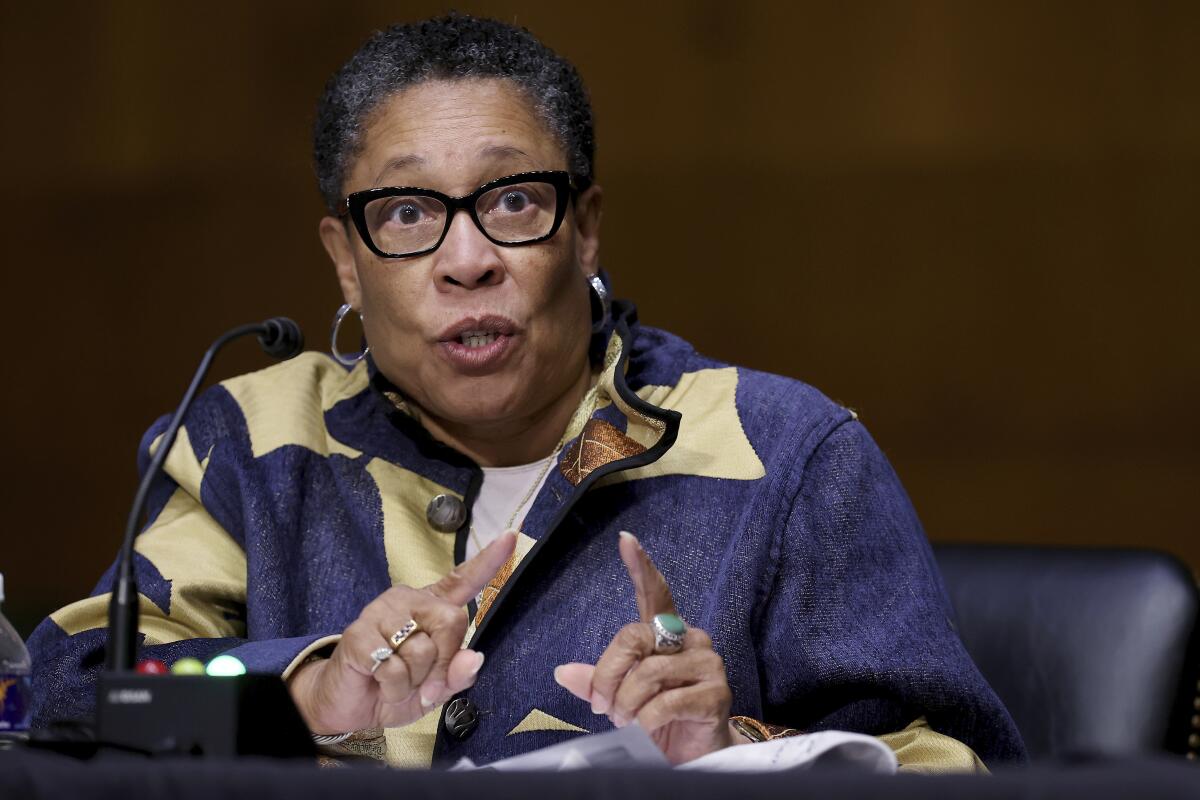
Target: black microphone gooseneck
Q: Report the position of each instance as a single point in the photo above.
(280, 338)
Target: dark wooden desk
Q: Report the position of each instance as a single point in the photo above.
(25, 774)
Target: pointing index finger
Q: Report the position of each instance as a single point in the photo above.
(466, 580)
(653, 594)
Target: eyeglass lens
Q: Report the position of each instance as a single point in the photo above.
(410, 223)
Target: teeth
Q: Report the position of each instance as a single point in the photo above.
(478, 338)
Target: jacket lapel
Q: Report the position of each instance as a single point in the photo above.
(598, 445)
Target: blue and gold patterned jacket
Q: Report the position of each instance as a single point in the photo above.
(297, 494)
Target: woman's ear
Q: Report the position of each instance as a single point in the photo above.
(587, 222)
(335, 236)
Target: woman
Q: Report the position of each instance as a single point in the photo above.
(316, 513)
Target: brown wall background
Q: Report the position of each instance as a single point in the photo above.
(975, 223)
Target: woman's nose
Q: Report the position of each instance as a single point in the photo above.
(466, 258)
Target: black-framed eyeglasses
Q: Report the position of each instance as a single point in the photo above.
(407, 221)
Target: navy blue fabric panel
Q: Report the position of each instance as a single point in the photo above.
(658, 358)
(272, 656)
(216, 420)
(150, 582)
(316, 554)
(217, 430)
(782, 418)
(64, 675)
(369, 423)
(613, 415)
(858, 634)
(162, 488)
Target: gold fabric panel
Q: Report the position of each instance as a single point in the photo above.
(411, 747)
(538, 720)
(711, 442)
(285, 403)
(417, 555)
(181, 464)
(921, 749)
(206, 567)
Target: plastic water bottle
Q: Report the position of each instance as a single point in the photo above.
(15, 686)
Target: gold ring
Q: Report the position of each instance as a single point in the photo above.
(401, 636)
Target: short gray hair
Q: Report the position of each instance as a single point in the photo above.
(452, 47)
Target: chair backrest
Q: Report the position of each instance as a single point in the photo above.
(1094, 651)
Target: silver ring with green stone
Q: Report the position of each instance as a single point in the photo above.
(669, 631)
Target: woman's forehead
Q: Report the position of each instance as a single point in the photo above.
(452, 136)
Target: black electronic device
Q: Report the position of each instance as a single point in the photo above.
(198, 715)
(191, 715)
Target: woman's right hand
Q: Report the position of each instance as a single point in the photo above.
(341, 694)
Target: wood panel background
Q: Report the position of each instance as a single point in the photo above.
(975, 223)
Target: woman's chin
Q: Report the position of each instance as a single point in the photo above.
(481, 406)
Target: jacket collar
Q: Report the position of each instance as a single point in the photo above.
(596, 436)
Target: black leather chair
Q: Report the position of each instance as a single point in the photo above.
(1095, 652)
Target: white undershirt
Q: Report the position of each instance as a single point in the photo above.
(503, 488)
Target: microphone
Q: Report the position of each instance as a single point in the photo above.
(279, 337)
(191, 714)
(282, 338)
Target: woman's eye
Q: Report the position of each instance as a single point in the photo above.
(405, 214)
(513, 201)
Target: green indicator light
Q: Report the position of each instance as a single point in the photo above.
(187, 666)
(226, 666)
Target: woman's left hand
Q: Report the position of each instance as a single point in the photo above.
(682, 700)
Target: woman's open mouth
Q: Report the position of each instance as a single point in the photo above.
(474, 339)
(477, 346)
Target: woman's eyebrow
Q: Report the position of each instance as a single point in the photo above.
(398, 163)
(498, 152)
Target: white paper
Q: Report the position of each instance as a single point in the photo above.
(632, 747)
(806, 751)
(623, 747)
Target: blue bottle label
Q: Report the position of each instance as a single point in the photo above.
(15, 708)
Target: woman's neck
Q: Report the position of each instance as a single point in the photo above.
(510, 442)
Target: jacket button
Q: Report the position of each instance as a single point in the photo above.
(446, 513)
(462, 716)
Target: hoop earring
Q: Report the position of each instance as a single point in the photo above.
(340, 357)
(599, 296)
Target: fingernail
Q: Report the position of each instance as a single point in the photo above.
(478, 664)
(499, 539)
(557, 676)
(599, 703)
(430, 693)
